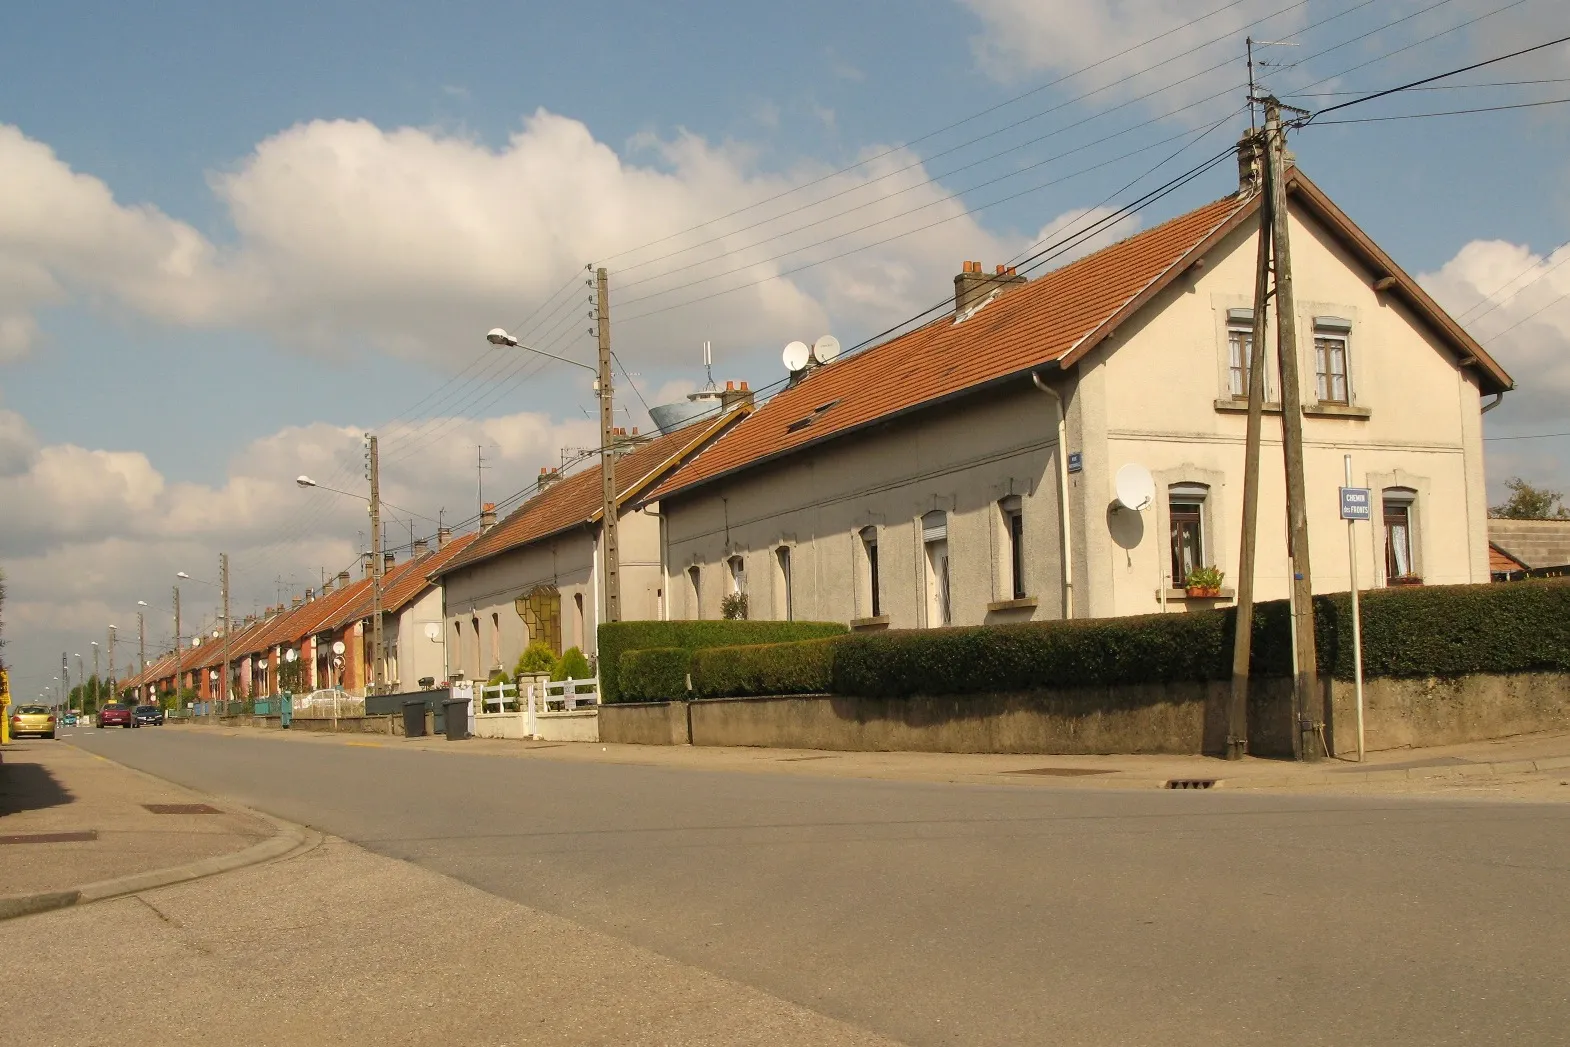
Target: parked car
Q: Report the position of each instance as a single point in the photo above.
(33, 719)
(68, 720)
(116, 715)
(149, 714)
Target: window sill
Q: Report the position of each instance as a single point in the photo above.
(1407, 580)
(1023, 603)
(1231, 406)
(1336, 411)
(877, 622)
(1182, 594)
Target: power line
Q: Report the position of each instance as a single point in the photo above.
(1496, 304)
(1441, 76)
(1530, 436)
(1436, 87)
(1446, 112)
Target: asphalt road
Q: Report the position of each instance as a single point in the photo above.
(960, 914)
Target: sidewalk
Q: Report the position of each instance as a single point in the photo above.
(1533, 759)
(73, 822)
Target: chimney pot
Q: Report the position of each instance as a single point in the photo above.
(635, 430)
(1001, 269)
(421, 547)
(974, 286)
(744, 385)
(487, 516)
(389, 561)
(443, 536)
(343, 579)
(730, 385)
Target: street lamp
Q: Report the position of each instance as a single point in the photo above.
(602, 389)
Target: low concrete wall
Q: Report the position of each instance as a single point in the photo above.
(1432, 711)
(1181, 718)
(645, 723)
(350, 725)
(578, 725)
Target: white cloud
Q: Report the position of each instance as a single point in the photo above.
(1517, 303)
(348, 236)
(1023, 37)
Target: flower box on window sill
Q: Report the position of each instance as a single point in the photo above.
(1406, 579)
(1223, 593)
(1203, 592)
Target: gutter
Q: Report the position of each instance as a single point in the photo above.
(1063, 509)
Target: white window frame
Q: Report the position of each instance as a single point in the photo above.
(938, 568)
(1011, 511)
(1198, 495)
(1333, 330)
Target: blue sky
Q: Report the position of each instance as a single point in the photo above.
(270, 227)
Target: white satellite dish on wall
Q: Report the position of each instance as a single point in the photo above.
(291, 655)
(797, 356)
(1136, 488)
(825, 349)
(433, 631)
(338, 647)
(196, 641)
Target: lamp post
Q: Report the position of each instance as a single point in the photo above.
(81, 680)
(98, 684)
(602, 388)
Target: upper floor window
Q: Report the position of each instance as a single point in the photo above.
(1186, 516)
(873, 597)
(1330, 359)
(1014, 542)
(1240, 349)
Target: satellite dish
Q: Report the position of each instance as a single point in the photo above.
(433, 631)
(338, 647)
(291, 655)
(1136, 488)
(196, 641)
(797, 356)
(825, 349)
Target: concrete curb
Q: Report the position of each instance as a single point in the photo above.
(1474, 770)
(287, 840)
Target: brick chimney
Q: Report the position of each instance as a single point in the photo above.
(343, 579)
(1250, 166)
(365, 565)
(487, 516)
(295, 602)
(548, 477)
(443, 536)
(389, 561)
(421, 547)
(733, 396)
(972, 285)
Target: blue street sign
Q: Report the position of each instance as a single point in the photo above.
(1355, 503)
(1076, 461)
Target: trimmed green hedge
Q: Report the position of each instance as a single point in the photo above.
(617, 638)
(656, 674)
(1420, 631)
(801, 667)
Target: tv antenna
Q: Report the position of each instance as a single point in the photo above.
(1253, 88)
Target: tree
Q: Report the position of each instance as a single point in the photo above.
(1529, 503)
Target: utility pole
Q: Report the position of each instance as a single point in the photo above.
(608, 528)
(177, 651)
(223, 682)
(1243, 635)
(98, 682)
(112, 696)
(141, 643)
(373, 473)
(1308, 706)
(65, 682)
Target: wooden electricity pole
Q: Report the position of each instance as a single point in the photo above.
(223, 683)
(1243, 637)
(373, 473)
(1308, 706)
(611, 547)
(178, 654)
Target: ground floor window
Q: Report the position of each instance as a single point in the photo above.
(1186, 520)
(1400, 565)
(935, 543)
(784, 607)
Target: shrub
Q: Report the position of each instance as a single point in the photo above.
(655, 674)
(733, 608)
(573, 666)
(617, 638)
(801, 667)
(536, 658)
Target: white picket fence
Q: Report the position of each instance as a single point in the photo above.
(554, 710)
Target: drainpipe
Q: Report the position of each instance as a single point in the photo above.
(1063, 509)
(1498, 397)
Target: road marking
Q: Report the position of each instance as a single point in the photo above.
(367, 745)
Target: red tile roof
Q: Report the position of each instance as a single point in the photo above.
(1053, 320)
(1501, 562)
(404, 583)
(577, 499)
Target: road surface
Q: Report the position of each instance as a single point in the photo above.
(963, 914)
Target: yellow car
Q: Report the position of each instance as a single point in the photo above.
(32, 719)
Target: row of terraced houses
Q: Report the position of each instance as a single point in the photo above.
(963, 472)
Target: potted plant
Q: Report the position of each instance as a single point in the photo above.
(1204, 582)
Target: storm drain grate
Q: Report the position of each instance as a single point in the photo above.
(85, 836)
(181, 808)
(1062, 772)
(1191, 783)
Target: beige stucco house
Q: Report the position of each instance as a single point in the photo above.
(932, 479)
(537, 575)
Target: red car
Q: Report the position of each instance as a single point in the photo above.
(117, 716)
